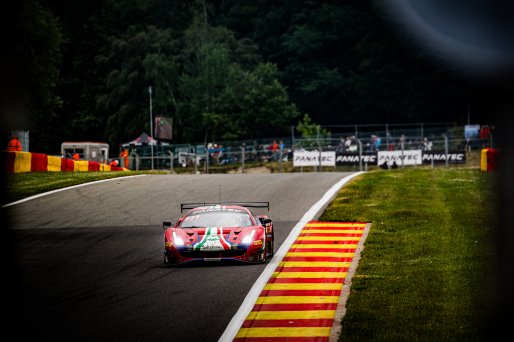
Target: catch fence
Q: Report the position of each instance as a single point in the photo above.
(357, 146)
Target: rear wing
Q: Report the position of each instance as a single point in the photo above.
(185, 206)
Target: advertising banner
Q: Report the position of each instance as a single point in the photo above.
(353, 158)
(440, 157)
(410, 157)
(311, 158)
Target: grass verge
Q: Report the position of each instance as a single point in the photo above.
(22, 185)
(426, 267)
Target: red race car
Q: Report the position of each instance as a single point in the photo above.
(215, 232)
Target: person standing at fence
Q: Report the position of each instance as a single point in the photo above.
(14, 144)
(274, 150)
(75, 156)
(377, 142)
(124, 155)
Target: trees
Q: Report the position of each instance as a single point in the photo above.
(136, 60)
(230, 94)
(214, 85)
(219, 67)
(31, 71)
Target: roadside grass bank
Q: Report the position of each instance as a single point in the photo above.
(426, 268)
(22, 185)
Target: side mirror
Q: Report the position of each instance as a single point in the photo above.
(265, 220)
(166, 225)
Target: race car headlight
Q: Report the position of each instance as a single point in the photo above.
(177, 240)
(248, 238)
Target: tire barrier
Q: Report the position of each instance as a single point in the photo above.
(18, 162)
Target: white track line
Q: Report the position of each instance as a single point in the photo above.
(241, 314)
(67, 188)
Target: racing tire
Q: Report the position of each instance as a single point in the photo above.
(270, 248)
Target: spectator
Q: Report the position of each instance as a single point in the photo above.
(427, 145)
(347, 144)
(124, 155)
(340, 146)
(378, 142)
(14, 144)
(274, 150)
(402, 142)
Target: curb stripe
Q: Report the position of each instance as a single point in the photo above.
(320, 254)
(294, 307)
(331, 231)
(311, 292)
(309, 275)
(335, 224)
(284, 332)
(312, 272)
(320, 245)
(286, 270)
(305, 280)
(303, 286)
(296, 299)
(285, 339)
(314, 264)
(276, 323)
(314, 259)
(328, 238)
(325, 249)
(281, 315)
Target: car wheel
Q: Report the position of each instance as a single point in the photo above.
(270, 247)
(262, 256)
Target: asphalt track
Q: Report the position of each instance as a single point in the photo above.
(89, 259)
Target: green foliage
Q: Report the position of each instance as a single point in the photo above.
(251, 65)
(221, 96)
(38, 56)
(310, 130)
(125, 103)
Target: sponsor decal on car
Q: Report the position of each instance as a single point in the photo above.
(212, 241)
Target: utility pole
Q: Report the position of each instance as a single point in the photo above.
(151, 122)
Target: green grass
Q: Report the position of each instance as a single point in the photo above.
(426, 266)
(22, 185)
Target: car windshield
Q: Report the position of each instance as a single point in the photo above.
(216, 219)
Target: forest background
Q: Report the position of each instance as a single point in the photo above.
(222, 69)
